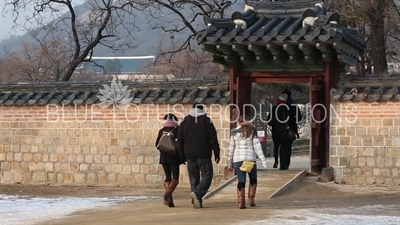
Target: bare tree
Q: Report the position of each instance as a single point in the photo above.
(96, 23)
(376, 13)
(87, 75)
(31, 63)
(378, 24)
(393, 41)
(52, 48)
(182, 17)
(186, 63)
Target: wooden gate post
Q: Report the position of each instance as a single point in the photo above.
(316, 116)
(233, 91)
(240, 90)
(331, 79)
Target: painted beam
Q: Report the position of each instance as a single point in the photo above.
(280, 80)
(287, 75)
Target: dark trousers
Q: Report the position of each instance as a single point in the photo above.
(171, 171)
(200, 175)
(284, 151)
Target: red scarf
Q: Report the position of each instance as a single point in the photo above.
(278, 101)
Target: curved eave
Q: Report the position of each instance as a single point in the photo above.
(279, 23)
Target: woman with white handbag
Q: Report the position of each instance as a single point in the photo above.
(244, 148)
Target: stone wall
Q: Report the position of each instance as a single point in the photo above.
(365, 142)
(82, 145)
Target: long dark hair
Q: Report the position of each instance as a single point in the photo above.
(247, 127)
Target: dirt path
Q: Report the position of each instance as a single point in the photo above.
(308, 194)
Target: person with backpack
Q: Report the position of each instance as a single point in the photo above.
(245, 147)
(169, 161)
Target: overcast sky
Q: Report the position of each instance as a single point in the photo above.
(6, 20)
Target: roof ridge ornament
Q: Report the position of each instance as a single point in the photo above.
(309, 21)
(354, 91)
(321, 4)
(240, 24)
(248, 7)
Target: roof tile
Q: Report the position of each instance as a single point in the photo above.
(278, 22)
(205, 90)
(367, 88)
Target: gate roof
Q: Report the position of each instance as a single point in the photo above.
(298, 34)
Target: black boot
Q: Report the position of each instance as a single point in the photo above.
(276, 155)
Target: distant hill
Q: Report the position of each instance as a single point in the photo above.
(127, 65)
(146, 40)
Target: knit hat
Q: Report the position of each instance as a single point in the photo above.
(288, 92)
(170, 116)
(198, 106)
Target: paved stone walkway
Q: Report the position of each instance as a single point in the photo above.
(269, 183)
(219, 208)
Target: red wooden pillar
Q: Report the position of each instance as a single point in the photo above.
(240, 94)
(233, 91)
(244, 93)
(331, 79)
(240, 90)
(316, 117)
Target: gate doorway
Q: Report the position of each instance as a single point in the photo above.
(318, 99)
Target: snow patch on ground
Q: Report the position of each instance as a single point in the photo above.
(17, 210)
(373, 214)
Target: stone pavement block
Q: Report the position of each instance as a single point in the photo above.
(269, 184)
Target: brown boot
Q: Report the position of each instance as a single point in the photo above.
(252, 194)
(171, 189)
(241, 198)
(166, 185)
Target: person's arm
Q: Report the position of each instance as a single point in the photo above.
(181, 150)
(231, 150)
(271, 117)
(257, 147)
(295, 111)
(212, 134)
(292, 122)
(299, 116)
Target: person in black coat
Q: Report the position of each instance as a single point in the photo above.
(280, 119)
(169, 162)
(198, 139)
(294, 109)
